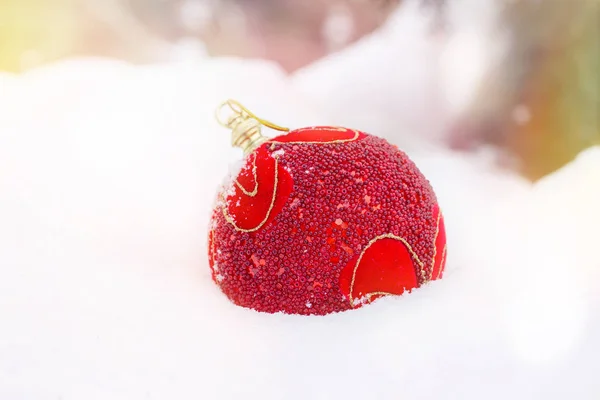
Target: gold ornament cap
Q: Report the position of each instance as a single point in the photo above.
(245, 126)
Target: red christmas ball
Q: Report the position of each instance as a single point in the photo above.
(322, 220)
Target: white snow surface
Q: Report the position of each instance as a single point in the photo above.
(108, 173)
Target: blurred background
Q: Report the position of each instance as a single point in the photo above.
(538, 101)
(38, 31)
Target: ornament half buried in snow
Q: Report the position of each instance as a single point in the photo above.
(321, 219)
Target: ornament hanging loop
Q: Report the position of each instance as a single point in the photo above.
(245, 125)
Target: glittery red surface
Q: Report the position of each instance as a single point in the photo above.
(340, 196)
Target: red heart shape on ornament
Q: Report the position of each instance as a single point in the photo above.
(259, 192)
(439, 258)
(385, 267)
(320, 135)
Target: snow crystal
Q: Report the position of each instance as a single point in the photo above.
(233, 171)
(278, 153)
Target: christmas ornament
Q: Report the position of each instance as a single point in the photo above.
(320, 220)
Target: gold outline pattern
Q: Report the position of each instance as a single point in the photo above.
(255, 190)
(369, 295)
(264, 221)
(440, 273)
(437, 232)
(373, 241)
(353, 139)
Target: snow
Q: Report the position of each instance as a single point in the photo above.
(108, 173)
